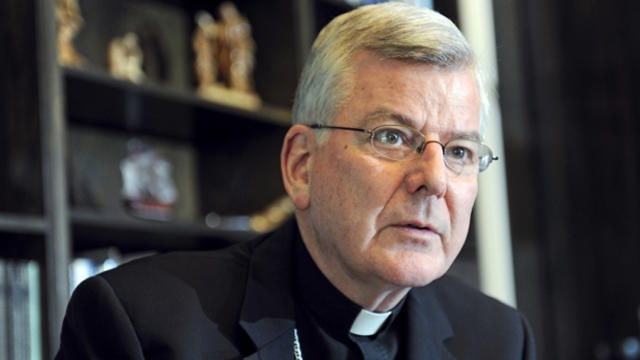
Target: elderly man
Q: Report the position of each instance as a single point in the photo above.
(382, 165)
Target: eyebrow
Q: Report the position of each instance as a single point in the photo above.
(374, 116)
(469, 135)
(372, 120)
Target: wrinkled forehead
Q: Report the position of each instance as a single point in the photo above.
(412, 94)
(348, 82)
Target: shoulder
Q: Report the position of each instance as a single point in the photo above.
(169, 302)
(158, 304)
(226, 266)
(468, 302)
(181, 275)
(481, 322)
(184, 280)
(188, 265)
(177, 284)
(468, 307)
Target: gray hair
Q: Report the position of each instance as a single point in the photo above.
(391, 30)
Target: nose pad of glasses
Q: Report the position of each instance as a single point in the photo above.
(422, 146)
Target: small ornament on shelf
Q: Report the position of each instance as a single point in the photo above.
(273, 216)
(237, 49)
(125, 58)
(225, 58)
(263, 221)
(205, 46)
(69, 23)
(147, 186)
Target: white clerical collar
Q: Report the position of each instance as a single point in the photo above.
(368, 323)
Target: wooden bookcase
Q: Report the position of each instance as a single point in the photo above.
(235, 152)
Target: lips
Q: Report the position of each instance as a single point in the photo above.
(415, 224)
(416, 227)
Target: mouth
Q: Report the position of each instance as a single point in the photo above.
(416, 227)
(415, 236)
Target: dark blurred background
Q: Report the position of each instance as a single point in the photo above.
(570, 97)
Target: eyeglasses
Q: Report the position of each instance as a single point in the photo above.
(464, 157)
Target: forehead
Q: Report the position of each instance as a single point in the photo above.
(420, 95)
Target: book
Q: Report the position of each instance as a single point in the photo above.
(20, 312)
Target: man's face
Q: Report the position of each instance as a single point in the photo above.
(384, 222)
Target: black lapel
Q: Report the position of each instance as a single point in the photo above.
(268, 310)
(427, 326)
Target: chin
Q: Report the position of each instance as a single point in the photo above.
(414, 276)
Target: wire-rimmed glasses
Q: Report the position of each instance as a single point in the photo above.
(463, 157)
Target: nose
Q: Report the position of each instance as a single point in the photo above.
(428, 173)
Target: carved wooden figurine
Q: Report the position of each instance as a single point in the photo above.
(125, 58)
(236, 49)
(205, 47)
(69, 23)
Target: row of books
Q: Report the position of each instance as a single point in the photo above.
(20, 313)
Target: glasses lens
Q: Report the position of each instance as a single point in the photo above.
(486, 157)
(395, 142)
(462, 156)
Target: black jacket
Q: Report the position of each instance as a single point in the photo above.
(237, 303)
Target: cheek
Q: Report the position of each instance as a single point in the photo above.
(460, 200)
(350, 188)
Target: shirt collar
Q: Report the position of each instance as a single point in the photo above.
(368, 323)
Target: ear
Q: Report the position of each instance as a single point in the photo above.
(295, 163)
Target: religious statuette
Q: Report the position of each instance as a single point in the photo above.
(225, 57)
(147, 187)
(125, 58)
(205, 46)
(236, 49)
(69, 22)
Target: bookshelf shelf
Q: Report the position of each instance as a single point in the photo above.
(95, 98)
(22, 224)
(95, 78)
(94, 229)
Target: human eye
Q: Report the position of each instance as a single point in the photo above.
(462, 151)
(392, 136)
(395, 142)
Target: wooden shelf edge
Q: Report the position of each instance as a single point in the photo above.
(22, 224)
(103, 220)
(273, 114)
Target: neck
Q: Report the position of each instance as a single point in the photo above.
(371, 294)
(376, 299)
